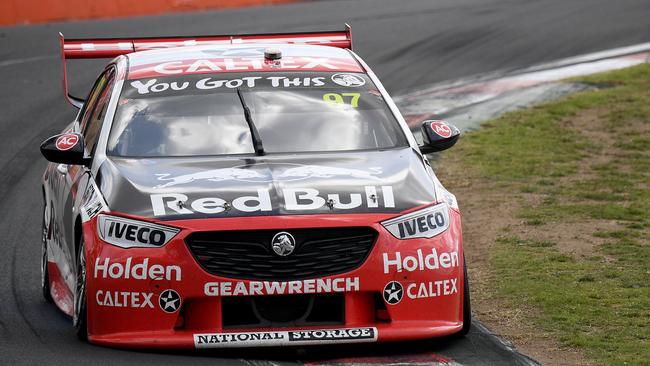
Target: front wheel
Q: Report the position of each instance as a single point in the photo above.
(45, 276)
(467, 307)
(80, 317)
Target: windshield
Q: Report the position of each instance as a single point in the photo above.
(293, 112)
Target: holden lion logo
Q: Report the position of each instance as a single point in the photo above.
(350, 80)
(169, 301)
(393, 292)
(283, 243)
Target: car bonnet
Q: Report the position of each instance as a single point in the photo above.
(317, 183)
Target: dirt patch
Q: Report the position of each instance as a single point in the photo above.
(576, 238)
(589, 123)
(490, 211)
(488, 214)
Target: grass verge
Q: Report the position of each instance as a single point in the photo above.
(577, 246)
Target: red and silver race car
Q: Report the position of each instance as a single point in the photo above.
(243, 191)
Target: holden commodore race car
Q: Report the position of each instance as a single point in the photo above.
(243, 191)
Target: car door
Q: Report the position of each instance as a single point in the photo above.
(75, 177)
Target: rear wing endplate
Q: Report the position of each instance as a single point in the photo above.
(113, 47)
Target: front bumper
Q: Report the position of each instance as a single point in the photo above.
(127, 289)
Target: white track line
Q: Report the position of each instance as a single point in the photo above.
(446, 97)
(18, 61)
(616, 52)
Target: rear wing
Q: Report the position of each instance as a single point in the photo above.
(113, 47)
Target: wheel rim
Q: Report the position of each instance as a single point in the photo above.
(80, 287)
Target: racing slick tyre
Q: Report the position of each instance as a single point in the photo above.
(467, 307)
(45, 276)
(80, 317)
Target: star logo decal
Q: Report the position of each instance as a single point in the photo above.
(169, 301)
(393, 292)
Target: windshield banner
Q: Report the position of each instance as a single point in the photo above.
(194, 84)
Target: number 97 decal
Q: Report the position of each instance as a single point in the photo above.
(341, 99)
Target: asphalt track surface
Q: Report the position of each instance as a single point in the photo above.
(409, 44)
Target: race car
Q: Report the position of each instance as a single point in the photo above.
(244, 191)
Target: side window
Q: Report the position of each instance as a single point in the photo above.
(89, 105)
(98, 105)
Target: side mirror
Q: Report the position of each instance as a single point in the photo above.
(438, 136)
(66, 148)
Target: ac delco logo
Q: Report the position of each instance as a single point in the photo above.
(67, 141)
(441, 129)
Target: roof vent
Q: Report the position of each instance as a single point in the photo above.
(272, 54)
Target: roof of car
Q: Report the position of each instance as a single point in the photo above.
(239, 58)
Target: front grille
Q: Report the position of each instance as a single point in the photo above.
(248, 254)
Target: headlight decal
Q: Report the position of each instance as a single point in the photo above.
(92, 202)
(425, 223)
(443, 195)
(128, 233)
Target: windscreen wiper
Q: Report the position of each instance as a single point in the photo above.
(255, 134)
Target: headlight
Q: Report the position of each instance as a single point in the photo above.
(127, 233)
(425, 223)
(443, 195)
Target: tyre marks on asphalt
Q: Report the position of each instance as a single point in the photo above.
(20, 306)
(424, 358)
(479, 347)
(21, 61)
